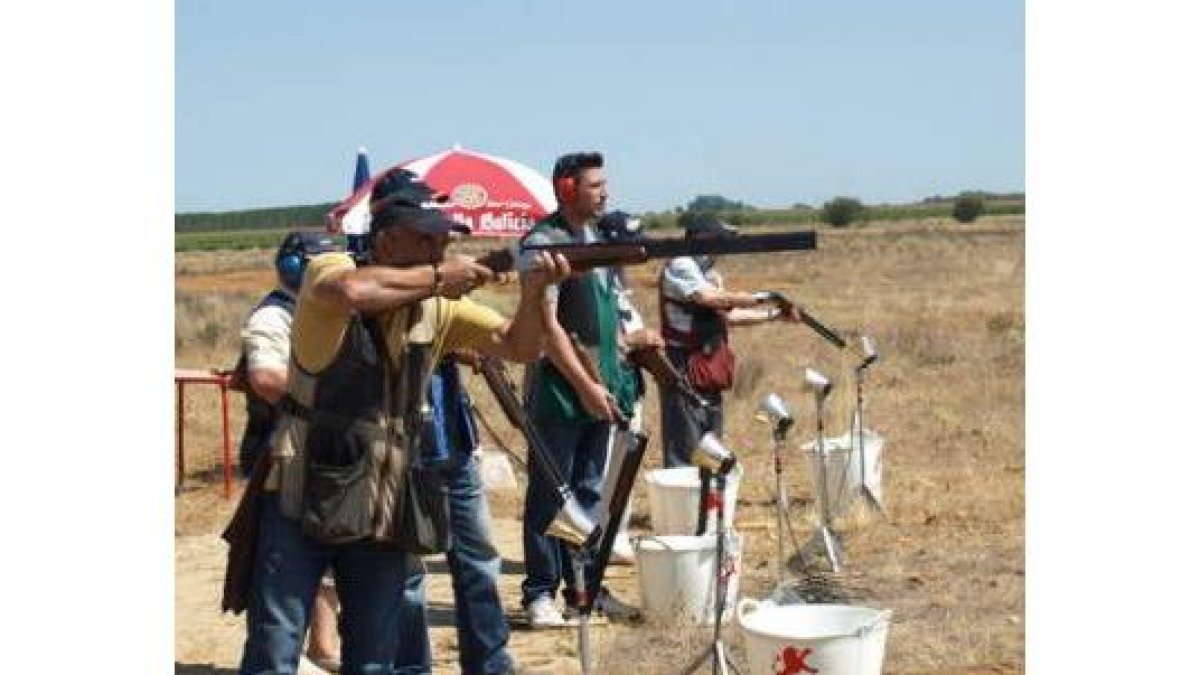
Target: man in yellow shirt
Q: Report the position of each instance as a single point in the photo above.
(365, 339)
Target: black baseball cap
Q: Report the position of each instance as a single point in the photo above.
(307, 243)
(707, 223)
(620, 226)
(399, 198)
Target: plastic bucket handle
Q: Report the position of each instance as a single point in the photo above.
(745, 605)
(882, 617)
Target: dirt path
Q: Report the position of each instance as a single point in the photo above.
(209, 643)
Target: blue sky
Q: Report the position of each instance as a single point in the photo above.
(766, 102)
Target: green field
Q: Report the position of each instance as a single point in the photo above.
(265, 228)
(228, 240)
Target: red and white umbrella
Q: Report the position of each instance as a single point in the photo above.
(492, 195)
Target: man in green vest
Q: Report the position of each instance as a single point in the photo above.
(572, 412)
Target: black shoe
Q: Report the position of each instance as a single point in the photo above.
(608, 605)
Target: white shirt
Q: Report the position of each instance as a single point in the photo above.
(682, 279)
(267, 337)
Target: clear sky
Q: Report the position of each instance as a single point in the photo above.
(769, 102)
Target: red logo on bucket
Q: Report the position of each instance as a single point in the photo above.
(793, 661)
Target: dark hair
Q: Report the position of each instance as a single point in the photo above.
(573, 164)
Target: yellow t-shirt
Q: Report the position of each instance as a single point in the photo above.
(319, 326)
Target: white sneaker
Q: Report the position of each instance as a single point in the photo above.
(622, 550)
(542, 613)
(306, 667)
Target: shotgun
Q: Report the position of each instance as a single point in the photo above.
(628, 450)
(654, 361)
(572, 523)
(784, 304)
(615, 254)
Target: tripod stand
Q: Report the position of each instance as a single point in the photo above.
(824, 538)
(717, 651)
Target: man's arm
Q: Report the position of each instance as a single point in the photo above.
(269, 383)
(716, 298)
(266, 343)
(380, 287)
(519, 339)
(554, 339)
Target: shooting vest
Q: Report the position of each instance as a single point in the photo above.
(587, 307)
(709, 327)
(261, 416)
(346, 435)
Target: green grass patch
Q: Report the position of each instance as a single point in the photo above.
(232, 240)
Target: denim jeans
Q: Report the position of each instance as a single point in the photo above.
(474, 564)
(287, 572)
(683, 424)
(580, 451)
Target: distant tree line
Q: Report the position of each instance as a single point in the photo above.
(280, 218)
(837, 212)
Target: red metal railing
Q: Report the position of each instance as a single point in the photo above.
(220, 378)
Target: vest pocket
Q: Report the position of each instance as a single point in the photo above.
(337, 501)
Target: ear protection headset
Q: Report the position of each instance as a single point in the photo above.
(293, 255)
(567, 188)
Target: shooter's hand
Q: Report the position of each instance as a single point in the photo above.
(547, 269)
(791, 313)
(598, 401)
(644, 339)
(460, 275)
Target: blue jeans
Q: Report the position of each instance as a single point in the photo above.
(580, 450)
(474, 566)
(288, 570)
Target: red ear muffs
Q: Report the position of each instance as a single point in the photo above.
(565, 187)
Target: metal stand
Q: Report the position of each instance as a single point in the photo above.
(860, 435)
(781, 594)
(824, 538)
(579, 559)
(717, 651)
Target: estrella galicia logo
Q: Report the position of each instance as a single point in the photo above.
(469, 196)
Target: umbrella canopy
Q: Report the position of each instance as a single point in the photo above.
(492, 195)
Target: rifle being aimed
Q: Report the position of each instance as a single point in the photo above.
(614, 254)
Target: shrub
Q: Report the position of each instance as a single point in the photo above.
(841, 211)
(967, 207)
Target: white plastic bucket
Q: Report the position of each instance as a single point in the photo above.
(675, 573)
(829, 639)
(675, 499)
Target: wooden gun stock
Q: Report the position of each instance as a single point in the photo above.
(654, 361)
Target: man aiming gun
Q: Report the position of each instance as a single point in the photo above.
(696, 313)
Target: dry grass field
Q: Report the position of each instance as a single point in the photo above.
(944, 302)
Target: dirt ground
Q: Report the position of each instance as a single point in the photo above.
(209, 643)
(945, 305)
